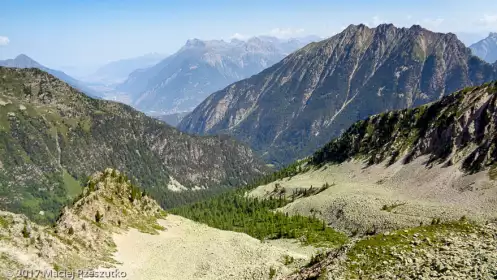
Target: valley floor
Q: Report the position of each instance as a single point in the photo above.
(189, 250)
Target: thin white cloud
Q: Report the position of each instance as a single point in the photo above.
(239, 36)
(488, 20)
(4, 41)
(285, 32)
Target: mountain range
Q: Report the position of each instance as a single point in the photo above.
(389, 136)
(290, 109)
(183, 80)
(52, 136)
(24, 61)
(486, 48)
(118, 71)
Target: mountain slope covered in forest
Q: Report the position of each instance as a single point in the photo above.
(52, 137)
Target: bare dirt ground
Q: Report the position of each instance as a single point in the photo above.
(189, 250)
(383, 198)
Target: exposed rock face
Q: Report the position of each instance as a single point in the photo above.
(486, 49)
(289, 110)
(52, 136)
(459, 128)
(82, 236)
(180, 82)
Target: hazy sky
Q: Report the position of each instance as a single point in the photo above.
(84, 33)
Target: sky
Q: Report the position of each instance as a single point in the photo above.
(80, 35)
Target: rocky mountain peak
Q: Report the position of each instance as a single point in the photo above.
(353, 28)
(23, 57)
(195, 43)
(416, 27)
(385, 26)
(486, 48)
(299, 104)
(22, 61)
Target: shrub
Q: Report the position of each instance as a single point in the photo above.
(98, 217)
(272, 272)
(288, 260)
(25, 231)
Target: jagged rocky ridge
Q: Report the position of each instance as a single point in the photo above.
(290, 109)
(52, 137)
(81, 238)
(486, 49)
(459, 128)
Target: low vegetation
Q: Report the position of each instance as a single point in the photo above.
(492, 173)
(52, 137)
(389, 208)
(378, 252)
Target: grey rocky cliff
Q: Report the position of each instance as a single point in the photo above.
(486, 49)
(458, 129)
(290, 109)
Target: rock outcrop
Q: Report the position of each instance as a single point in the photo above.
(81, 238)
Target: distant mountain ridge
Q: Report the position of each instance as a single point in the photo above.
(183, 80)
(24, 61)
(290, 109)
(173, 119)
(486, 49)
(119, 70)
